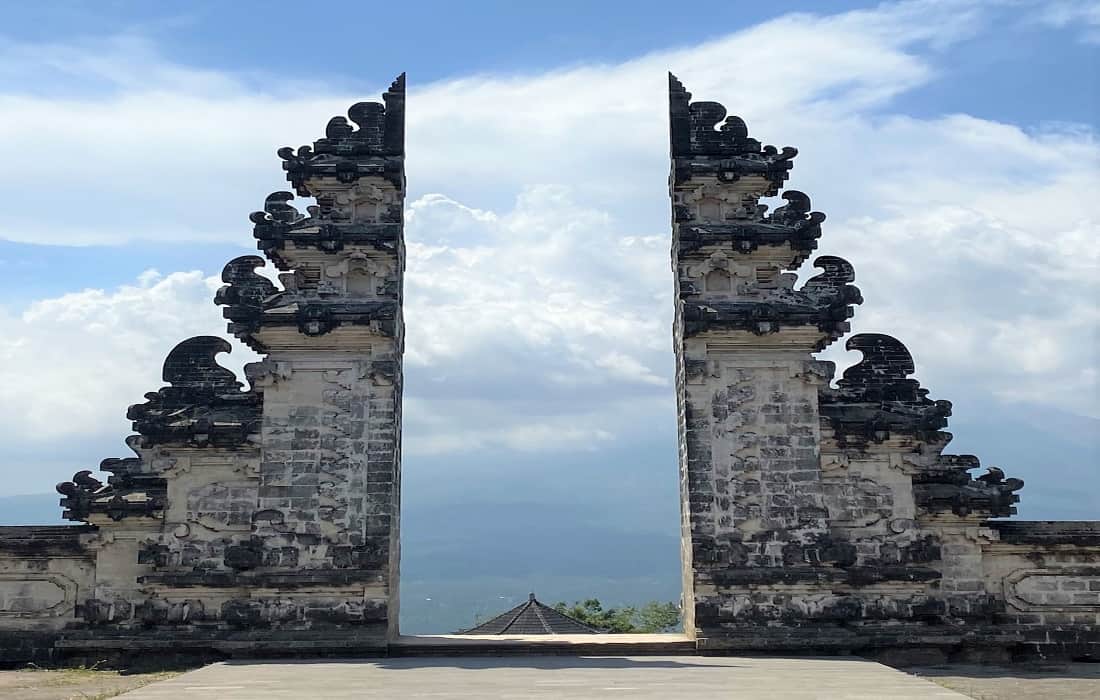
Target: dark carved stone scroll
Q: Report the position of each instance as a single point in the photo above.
(876, 399)
(203, 404)
(705, 141)
(347, 153)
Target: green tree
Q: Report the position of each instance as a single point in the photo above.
(658, 617)
(652, 617)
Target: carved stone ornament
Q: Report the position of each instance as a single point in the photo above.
(706, 141)
(876, 399)
(327, 228)
(347, 153)
(204, 403)
(824, 302)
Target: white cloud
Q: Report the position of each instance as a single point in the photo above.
(70, 365)
(1080, 14)
(538, 288)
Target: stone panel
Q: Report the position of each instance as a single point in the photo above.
(35, 595)
(1071, 588)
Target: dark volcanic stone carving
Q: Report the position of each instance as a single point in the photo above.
(325, 228)
(347, 153)
(158, 611)
(793, 224)
(315, 318)
(103, 612)
(825, 301)
(79, 494)
(203, 404)
(876, 399)
(124, 496)
(707, 142)
(242, 557)
(949, 487)
(244, 291)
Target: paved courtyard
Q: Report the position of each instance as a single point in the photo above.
(568, 678)
(1071, 681)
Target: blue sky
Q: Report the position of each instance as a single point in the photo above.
(360, 45)
(1014, 70)
(948, 141)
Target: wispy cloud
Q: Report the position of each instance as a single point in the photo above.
(1083, 15)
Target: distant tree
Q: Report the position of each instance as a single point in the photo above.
(658, 617)
(652, 617)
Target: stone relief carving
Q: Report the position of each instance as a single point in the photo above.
(763, 301)
(1071, 588)
(35, 594)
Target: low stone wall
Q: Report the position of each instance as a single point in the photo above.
(1048, 575)
(45, 573)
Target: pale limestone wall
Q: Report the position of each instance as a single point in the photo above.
(1050, 590)
(314, 470)
(212, 498)
(41, 586)
(765, 468)
(117, 593)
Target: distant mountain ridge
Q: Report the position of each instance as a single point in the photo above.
(31, 509)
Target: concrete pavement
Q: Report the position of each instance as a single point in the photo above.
(563, 677)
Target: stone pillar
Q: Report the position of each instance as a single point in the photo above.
(747, 382)
(814, 517)
(329, 478)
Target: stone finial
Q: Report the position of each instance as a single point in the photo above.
(244, 296)
(796, 212)
(375, 144)
(85, 495)
(244, 291)
(203, 403)
(876, 399)
(703, 130)
(833, 284)
(192, 364)
(277, 209)
(885, 360)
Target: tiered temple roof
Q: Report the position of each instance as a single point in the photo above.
(532, 617)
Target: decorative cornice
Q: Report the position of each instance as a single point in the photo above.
(280, 223)
(85, 495)
(1049, 532)
(948, 487)
(704, 141)
(825, 302)
(792, 225)
(375, 148)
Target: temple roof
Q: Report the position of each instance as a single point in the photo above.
(532, 617)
